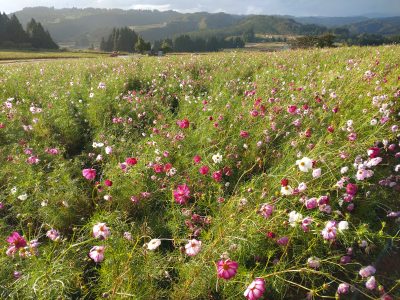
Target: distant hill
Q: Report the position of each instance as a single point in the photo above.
(82, 27)
(330, 21)
(383, 26)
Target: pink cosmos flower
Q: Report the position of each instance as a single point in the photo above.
(52, 151)
(311, 203)
(204, 170)
(373, 152)
(316, 173)
(33, 160)
(266, 210)
(183, 123)
(89, 174)
(53, 234)
(101, 231)
(227, 268)
(313, 262)
(255, 290)
(131, 161)
(367, 271)
(371, 283)
(343, 288)
(217, 176)
(182, 194)
(108, 182)
(97, 253)
(283, 241)
(363, 174)
(329, 232)
(244, 134)
(292, 109)
(351, 189)
(16, 240)
(193, 247)
(197, 159)
(305, 224)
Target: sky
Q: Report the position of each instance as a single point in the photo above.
(281, 7)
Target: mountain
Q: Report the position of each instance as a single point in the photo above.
(89, 25)
(330, 21)
(82, 27)
(383, 26)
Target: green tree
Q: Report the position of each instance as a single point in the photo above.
(141, 46)
(39, 37)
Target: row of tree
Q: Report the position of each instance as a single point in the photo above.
(127, 40)
(185, 43)
(329, 40)
(13, 35)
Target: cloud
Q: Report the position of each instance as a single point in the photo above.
(160, 7)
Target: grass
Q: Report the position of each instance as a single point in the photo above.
(8, 55)
(58, 117)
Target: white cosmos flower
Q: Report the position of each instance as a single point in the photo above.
(305, 164)
(153, 244)
(23, 197)
(286, 190)
(343, 225)
(294, 217)
(217, 158)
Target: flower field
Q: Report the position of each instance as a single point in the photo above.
(220, 176)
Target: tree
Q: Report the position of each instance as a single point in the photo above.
(249, 36)
(15, 32)
(141, 46)
(166, 46)
(38, 37)
(120, 39)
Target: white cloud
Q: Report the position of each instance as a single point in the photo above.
(160, 7)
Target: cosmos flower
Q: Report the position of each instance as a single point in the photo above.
(305, 164)
(181, 194)
(101, 231)
(313, 262)
(217, 158)
(53, 235)
(343, 225)
(343, 288)
(266, 210)
(97, 253)
(329, 232)
(255, 290)
(286, 190)
(193, 247)
(16, 240)
(89, 174)
(367, 271)
(227, 269)
(153, 244)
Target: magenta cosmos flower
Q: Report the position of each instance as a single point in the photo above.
(182, 194)
(89, 174)
(16, 240)
(255, 290)
(97, 253)
(227, 268)
(183, 123)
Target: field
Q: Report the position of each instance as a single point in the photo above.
(221, 176)
(12, 56)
